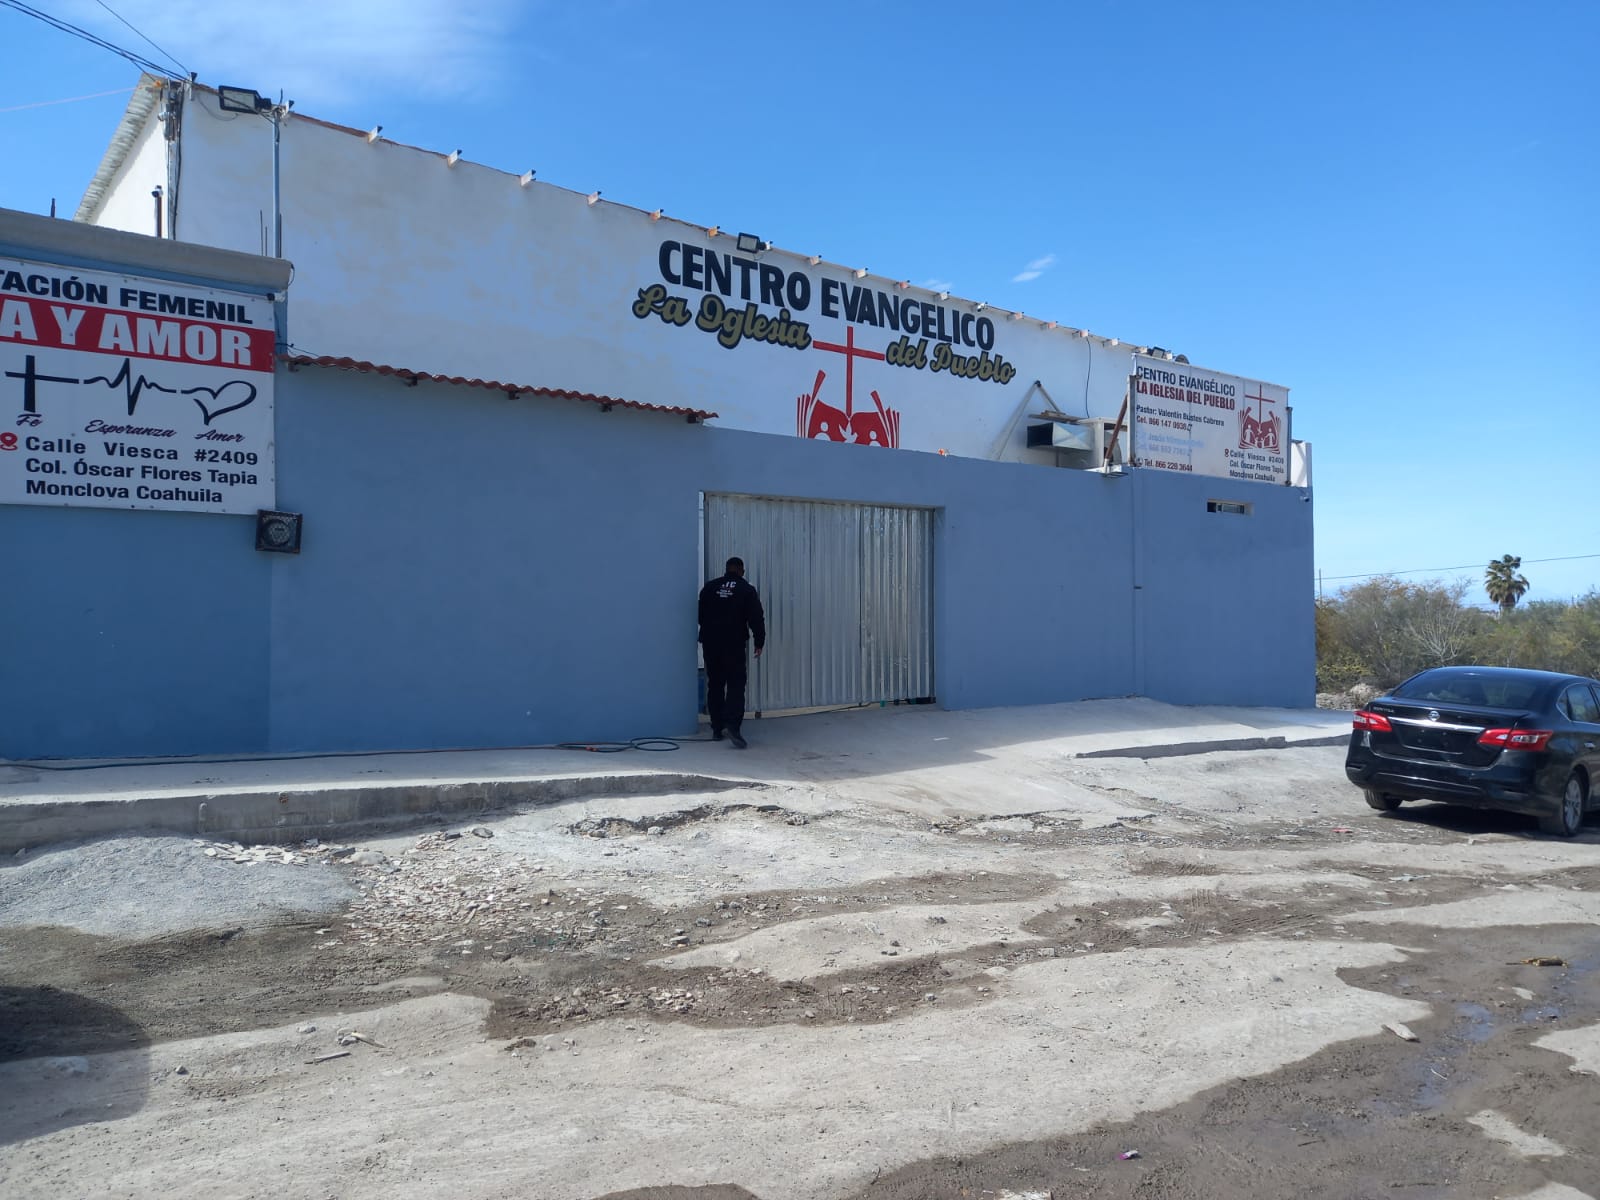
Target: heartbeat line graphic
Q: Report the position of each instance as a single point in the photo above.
(212, 402)
(133, 390)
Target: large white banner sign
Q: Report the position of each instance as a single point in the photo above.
(1188, 419)
(123, 392)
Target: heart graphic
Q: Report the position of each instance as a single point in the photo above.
(217, 407)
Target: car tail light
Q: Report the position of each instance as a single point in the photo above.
(1376, 722)
(1516, 739)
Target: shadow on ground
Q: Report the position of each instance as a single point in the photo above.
(65, 1060)
(1475, 821)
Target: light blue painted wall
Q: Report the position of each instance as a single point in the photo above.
(131, 634)
(1225, 600)
(480, 571)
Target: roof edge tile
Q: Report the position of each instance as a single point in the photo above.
(511, 389)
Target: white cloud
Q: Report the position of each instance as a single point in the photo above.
(938, 285)
(1034, 269)
(322, 51)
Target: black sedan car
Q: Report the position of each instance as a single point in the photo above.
(1487, 737)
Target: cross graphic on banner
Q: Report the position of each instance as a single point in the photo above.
(818, 419)
(1262, 396)
(851, 353)
(31, 379)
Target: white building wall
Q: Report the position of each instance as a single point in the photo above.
(405, 260)
(127, 204)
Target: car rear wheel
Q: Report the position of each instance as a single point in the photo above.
(1568, 817)
(1381, 801)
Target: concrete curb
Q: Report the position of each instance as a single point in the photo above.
(1176, 749)
(291, 815)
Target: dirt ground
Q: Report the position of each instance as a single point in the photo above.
(792, 992)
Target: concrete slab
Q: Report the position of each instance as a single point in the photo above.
(992, 762)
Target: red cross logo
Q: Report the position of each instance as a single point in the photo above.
(816, 419)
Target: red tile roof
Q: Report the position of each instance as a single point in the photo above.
(511, 389)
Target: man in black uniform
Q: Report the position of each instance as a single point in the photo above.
(730, 613)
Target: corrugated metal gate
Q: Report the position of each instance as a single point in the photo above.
(848, 592)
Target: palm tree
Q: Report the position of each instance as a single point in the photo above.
(1504, 586)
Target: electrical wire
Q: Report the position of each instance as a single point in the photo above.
(67, 100)
(1462, 567)
(173, 57)
(138, 60)
(1087, 376)
(653, 745)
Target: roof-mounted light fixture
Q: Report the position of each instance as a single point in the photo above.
(526, 177)
(748, 243)
(861, 272)
(656, 216)
(903, 284)
(944, 295)
(814, 259)
(979, 306)
(452, 158)
(242, 100)
(372, 134)
(593, 198)
(713, 231)
(248, 100)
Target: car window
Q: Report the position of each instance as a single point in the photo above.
(1581, 705)
(1455, 688)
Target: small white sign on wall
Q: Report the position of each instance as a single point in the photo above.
(124, 392)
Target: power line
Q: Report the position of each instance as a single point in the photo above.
(138, 60)
(67, 100)
(140, 32)
(1442, 570)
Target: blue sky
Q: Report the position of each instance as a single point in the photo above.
(1390, 208)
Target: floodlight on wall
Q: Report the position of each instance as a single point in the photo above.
(1016, 316)
(814, 259)
(242, 100)
(748, 243)
(944, 295)
(656, 216)
(452, 158)
(593, 198)
(980, 306)
(713, 231)
(372, 134)
(1049, 324)
(526, 178)
(1115, 342)
(861, 272)
(248, 100)
(903, 284)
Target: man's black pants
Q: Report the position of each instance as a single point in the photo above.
(725, 677)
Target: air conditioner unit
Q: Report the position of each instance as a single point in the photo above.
(1060, 435)
(1078, 442)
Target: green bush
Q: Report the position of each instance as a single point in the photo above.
(1385, 630)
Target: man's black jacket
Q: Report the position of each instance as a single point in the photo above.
(730, 612)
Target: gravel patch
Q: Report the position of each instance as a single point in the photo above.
(146, 887)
